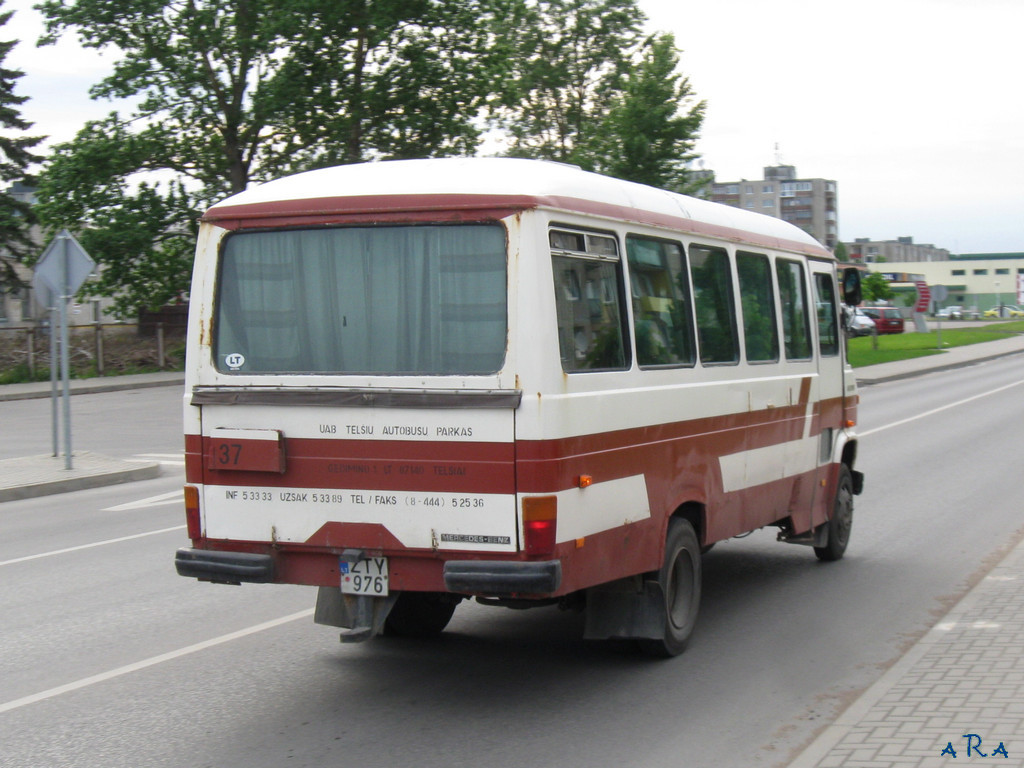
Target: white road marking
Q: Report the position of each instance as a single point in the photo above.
(933, 411)
(171, 497)
(163, 459)
(90, 546)
(150, 662)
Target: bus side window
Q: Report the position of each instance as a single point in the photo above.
(757, 300)
(828, 324)
(715, 305)
(793, 298)
(588, 287)
(662, 318)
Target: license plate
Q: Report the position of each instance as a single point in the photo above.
(366, 577)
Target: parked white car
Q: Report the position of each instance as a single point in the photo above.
(861, 324)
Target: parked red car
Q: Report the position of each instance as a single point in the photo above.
(887, 319)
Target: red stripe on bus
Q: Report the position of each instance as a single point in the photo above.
(599, 558)
(387, 465)
(447, 207)
(527, 466)
(805, 390)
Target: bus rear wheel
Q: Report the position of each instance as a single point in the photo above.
(680, 581)
(420, 614)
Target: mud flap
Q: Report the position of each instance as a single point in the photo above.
(361, 616)
(624, 610)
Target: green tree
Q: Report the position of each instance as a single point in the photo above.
(568, 56)
(874, 287)
(589, 89)
(411, 78)
(231, 91)
(16, 156)
(652, 125)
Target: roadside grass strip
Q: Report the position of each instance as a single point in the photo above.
(887, 348)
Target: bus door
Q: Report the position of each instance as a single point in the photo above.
(831, 384)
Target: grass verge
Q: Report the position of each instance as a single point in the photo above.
(904, 346)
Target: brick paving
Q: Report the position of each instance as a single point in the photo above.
(959, 691)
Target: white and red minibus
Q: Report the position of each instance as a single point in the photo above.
(415, 382)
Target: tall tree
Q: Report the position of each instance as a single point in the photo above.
(652, 124)
(16, 156)
(411, 80)
(589, 89)
(568, 56)
(232, 91)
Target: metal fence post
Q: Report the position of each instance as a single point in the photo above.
(30, 334)
(98, 319)
(160, 345)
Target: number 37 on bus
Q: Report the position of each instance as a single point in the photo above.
(416, 382)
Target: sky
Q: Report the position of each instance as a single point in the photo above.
(914, 107)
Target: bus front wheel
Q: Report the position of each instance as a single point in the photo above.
(680, 581)
(841, 522)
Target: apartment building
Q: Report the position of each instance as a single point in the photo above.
(811, 204)
(898, 251)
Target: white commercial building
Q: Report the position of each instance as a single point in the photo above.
(974, 280)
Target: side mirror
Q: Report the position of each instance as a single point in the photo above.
(851, 286)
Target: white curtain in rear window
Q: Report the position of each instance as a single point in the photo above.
(373, 300)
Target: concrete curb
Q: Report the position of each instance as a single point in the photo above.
(36, 390)
(866, 382)
(33, 476)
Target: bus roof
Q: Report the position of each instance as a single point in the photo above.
(476, 184)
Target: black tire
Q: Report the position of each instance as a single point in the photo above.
(420, 614)
(680, 580)
(841, 521)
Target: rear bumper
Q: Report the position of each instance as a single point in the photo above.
(224, 567)
(482, 577)
(503, 577)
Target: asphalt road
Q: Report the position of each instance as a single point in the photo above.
(108, 658)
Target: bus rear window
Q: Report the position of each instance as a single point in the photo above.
(588, 290)
(363, 300)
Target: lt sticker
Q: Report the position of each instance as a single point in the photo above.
(235, 361)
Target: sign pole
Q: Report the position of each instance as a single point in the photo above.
(940, 293)
(60, 272)
(52, 311)
(65, 358)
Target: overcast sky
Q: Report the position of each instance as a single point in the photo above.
(914, 107)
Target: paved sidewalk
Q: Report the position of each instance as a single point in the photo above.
(956, 698)
(32, 476)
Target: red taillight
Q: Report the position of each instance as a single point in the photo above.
(540, 521)
(195, 529)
